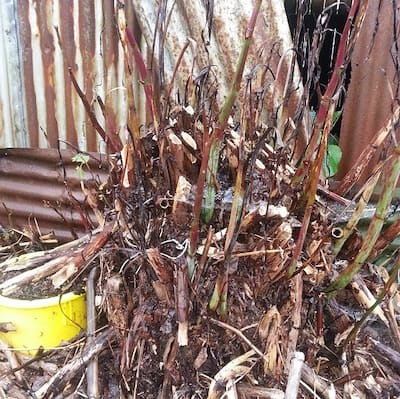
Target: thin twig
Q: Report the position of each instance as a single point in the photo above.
(70, 369)
(12, 360)
(240, 335)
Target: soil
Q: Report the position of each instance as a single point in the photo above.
(41, 289)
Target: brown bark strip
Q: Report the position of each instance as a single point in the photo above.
(113, 141)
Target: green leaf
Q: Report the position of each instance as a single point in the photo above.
(80, 158)
(332, 158)
(333, 140)
(336, 116)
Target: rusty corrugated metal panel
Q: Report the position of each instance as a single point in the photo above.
(40, 185)
(56, 35)
(47, 38)
(51, 43)
(374, 82)
(272, 49)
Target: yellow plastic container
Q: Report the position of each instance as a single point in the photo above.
(42, 322)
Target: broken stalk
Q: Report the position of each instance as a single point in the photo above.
(131, 157)
(385, 291)
(311, 190)
(219, 299)
(197, 207)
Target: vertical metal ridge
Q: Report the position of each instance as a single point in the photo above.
(373, 87)
(49, 37)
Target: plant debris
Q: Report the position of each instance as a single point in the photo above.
(218, 271)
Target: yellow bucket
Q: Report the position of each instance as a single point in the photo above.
(42, 322)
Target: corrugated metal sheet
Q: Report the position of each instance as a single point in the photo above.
(39, 42)
(13, 129)
(375, 80)
(41, 189)
(43, 39)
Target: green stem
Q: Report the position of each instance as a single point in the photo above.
(210, 189)
(379, 299)
(355, 217)
(391, 175)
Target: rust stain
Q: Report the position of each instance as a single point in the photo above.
(374, 84)
(53, 36)
(87, 49)
(40, 185)
(221, 51)
(47, 54)
(86, 36)
(67, 38)
(110, 56)
(26, 52)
